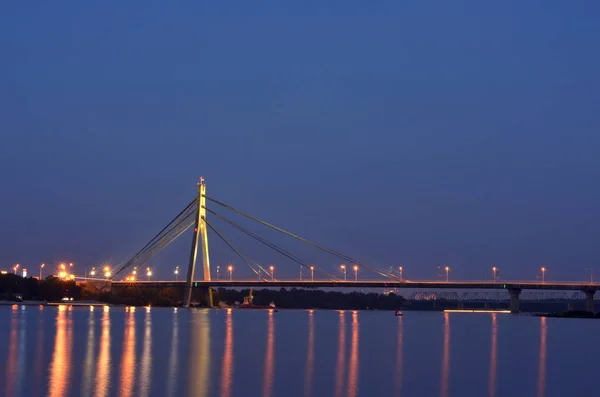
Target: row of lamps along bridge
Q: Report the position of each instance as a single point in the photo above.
(65, 272)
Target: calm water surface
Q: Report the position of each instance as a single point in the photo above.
(63, 351)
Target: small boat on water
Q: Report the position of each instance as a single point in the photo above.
(397, 313)
(249, 303)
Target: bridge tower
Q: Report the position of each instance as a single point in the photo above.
(200, 237)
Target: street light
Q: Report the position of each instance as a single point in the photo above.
(148, 273)
(24, 273)
(400, 269)
(447, 271)
(312, 273)
(176, 273)
(343, 267)
(355, 272)
(272, 268)
(543, 274)
(218, 272)
(107, 271)
(93, 272)
(494, 271)
(16, 267)
(230, 269)
(41, 267)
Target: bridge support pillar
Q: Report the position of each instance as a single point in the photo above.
(515, 300)
(200, 238)
(589, 300)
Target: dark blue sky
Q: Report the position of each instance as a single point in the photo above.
(400, 132)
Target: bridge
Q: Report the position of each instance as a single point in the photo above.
(195, 214)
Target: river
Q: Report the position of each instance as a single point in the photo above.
(118, 351)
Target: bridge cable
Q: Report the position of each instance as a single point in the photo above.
(316, 245)
(282, 251)
(235, 249)
(164, 244)
(153, 240)
(157, 242)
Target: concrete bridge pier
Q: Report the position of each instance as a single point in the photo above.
(589, 300)
(515, 300)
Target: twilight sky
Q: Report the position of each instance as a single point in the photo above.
(417, 133)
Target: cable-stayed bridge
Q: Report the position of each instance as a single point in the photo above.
(195, 215)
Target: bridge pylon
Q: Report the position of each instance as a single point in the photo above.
(200, 237)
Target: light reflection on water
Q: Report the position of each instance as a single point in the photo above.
(493, 357)
(128, 358)
(541, 387)
(67, 352)
(269, 356)
(173, 357)
(103, 363)
(310, 355)
(341, 356)
(399, 358)
(227, 371)
(88, 364)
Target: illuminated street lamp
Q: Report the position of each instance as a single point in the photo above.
(16, 267)
(62, 266)
(355, 272)
(312, 273)
(41, 267)
(148, 273)
(24, 273)
(272, 269)
(176, 273)
(447, 272)
(494, 270)
(230, 269)
(343, 267)
(543, 274)
(218, 272)
(93, 272)
(107, 271)
(400, 269)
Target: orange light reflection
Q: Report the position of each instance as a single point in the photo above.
(541, 387)
(446, 357)
(353, 366)
(269, 357)
(11, 364)
(399, 361)
(493, 357)
(88, 365)
(172, 380)
(310, 353)
(341, 358)
(128, 358)
(199, 365)
(103, 363)
(60, 367)
(146, 366)
(227, 370)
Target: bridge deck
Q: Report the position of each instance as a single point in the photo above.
(523, 285)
